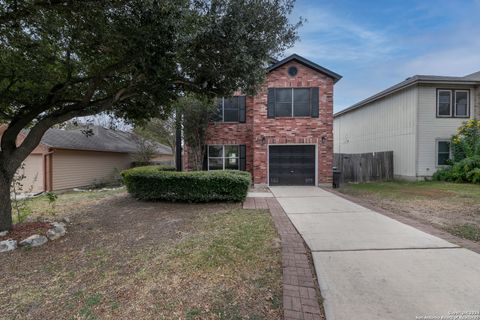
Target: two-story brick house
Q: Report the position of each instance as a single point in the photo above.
(284, 134)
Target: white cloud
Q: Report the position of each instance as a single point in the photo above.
(373, 58)
(331, 37)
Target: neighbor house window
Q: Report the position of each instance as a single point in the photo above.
(230, 109)
(461, 103)
(223, 157)
(443, 152)
(453, 103)
(292, 102)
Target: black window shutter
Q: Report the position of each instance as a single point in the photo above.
(271, 103)
(314, 102)
(205, 159)
(241, 109)
(243, 157)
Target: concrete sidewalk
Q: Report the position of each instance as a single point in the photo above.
(373, 267)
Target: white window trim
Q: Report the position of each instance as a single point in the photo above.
(455, 103)
(437, 141)
(438, 103)
(223, 157)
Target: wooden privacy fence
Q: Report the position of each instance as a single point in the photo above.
(364, 167)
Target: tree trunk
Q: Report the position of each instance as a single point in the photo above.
(5, 202)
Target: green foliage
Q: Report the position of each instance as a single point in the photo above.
(152, 165)
(151, 183)
(466, 142)
(20, 201)
(196, 112)
(52, 201)
(465, 165)
(133, 57)
(465, 170)
(160, 130)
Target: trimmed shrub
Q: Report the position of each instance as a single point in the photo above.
(161, 167)
(151, 183)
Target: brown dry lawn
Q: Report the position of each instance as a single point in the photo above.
(450, 206)
(124, 259)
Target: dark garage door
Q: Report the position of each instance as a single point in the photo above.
(292, 165)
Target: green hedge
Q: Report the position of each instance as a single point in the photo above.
(160, 167)
(151, 183)
(466, 170)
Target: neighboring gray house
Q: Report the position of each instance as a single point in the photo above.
(415, 119)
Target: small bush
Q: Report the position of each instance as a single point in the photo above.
(153, 183)
(466, 170)
(465, 164)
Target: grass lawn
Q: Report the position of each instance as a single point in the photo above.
(451, 206)
(124, 259)
(68, 203)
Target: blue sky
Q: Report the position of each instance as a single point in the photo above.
(376, 44)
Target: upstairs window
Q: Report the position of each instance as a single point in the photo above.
(230, 109)
(453, 103)
(443, 152)
(462, 103)
(293, 102)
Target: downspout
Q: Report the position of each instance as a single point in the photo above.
(47, 170)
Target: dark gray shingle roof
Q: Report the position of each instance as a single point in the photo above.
(101, 140)
(472, 78)
(308, 63)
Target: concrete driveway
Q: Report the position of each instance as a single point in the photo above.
(373, 267)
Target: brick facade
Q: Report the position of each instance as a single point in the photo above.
(258, 132)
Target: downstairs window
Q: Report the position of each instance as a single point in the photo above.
(443, 152)
(225, 157)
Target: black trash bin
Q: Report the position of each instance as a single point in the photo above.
(336, 177)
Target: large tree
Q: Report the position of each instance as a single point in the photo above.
(61, 59)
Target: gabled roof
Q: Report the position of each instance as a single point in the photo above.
(471, 79)
(474, 76)
(106, 140)
(308, 63)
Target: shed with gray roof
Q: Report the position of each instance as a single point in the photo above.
(67, 159)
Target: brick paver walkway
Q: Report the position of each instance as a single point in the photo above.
(300, 291)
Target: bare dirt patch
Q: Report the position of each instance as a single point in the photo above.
(22, 231)
(451, 207)
(124, 259)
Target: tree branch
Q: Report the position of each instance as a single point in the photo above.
(35, 135)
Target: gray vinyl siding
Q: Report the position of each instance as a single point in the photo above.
(432, 129)
(75, 168)
(387, 124)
